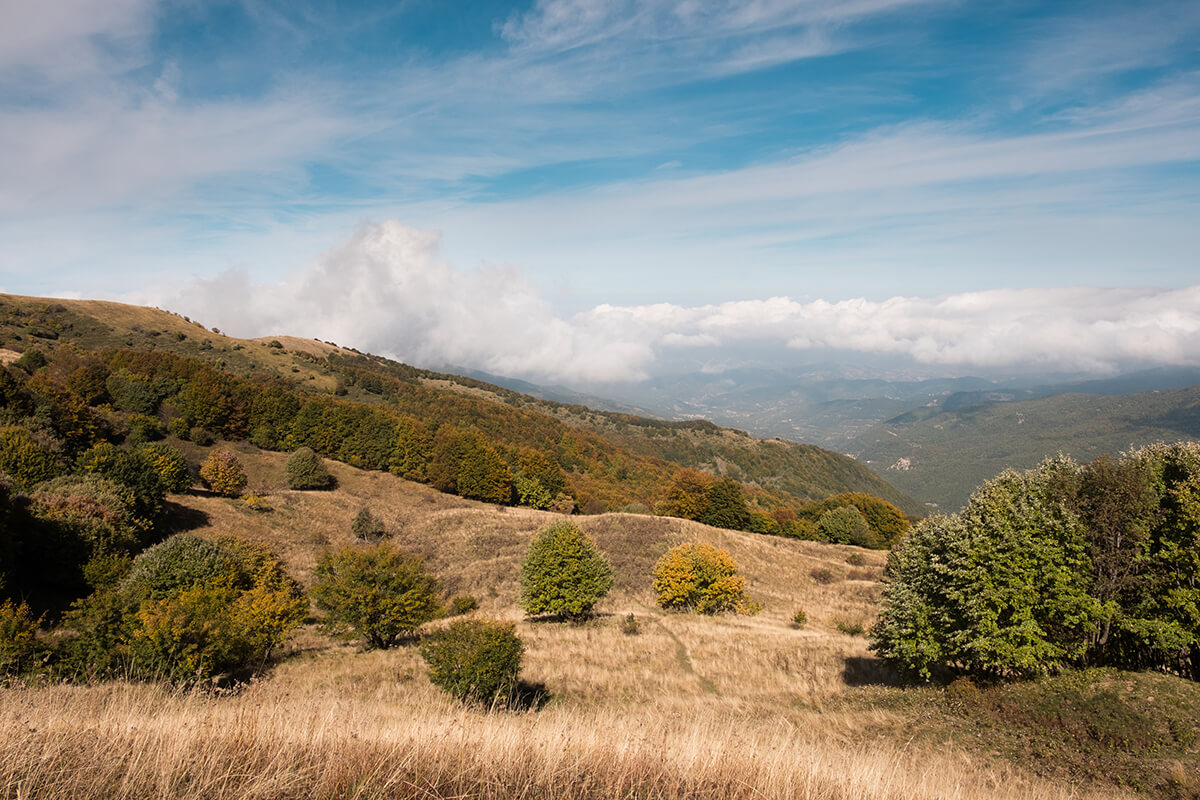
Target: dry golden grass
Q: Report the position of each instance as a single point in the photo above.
(728, 707)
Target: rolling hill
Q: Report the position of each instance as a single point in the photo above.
(612, 459)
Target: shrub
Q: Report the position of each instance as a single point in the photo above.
(799, 619)
(170, 465)
(824, 576)
(178, 427)
(142, 429)
(306, 470)
(24, 459)
(100, 511)
(462, 604)
(366, 525)
(703, 579)
(563, 573)
(379, 594)
(255, 503)
(19, 647)
(31, 360)
(850, 627)
(187, 610)
(856, 560)
(474, 660)
(726, 506)
(629, 625)
(130, 468)
(222, 473)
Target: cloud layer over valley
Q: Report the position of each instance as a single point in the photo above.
(388, 290)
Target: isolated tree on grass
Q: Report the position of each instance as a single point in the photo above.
(222, 472)
(379, 594)
(703, 579)
(306, 470)
(563, 573)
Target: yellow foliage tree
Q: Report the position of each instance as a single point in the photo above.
(703, 579)
(223, 473)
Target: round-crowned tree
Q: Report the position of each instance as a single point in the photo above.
(306, 470)
(222, 472)
(379, 594)
(563, 573)
(701, 578)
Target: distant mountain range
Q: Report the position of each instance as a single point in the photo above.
(936, 439)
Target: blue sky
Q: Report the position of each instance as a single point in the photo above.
(677, 162)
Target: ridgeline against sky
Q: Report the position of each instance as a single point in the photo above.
(579, 190)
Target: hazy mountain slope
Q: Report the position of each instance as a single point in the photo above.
(943, 454)
(616, 458)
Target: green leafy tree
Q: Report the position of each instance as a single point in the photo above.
(171, 466)
(131, 468)
(306, 470)
(703, 579)
(846, 525)
(726, 506)
(483, 475)
(474, 660)
(102, 513)
(563, 573)
(378, 594)
(26, 460)
(222, 473)
(1000, 590)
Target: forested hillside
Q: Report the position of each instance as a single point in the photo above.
(459, 434)
(943, 452)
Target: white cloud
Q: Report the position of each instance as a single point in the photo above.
(387, 290)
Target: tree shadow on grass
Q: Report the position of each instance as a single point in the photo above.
(860, 671)
(528, 696)
(179, 518)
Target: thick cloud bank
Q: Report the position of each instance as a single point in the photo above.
(387, 291)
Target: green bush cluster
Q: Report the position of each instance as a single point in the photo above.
(366, 525)
(1060, 566)
(187, 610)
(475, 660)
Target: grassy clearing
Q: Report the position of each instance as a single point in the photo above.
(690, 707)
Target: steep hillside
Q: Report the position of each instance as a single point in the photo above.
(944, 452)
(611, 459)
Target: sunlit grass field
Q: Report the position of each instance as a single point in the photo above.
(689, 707)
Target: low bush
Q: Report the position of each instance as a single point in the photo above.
(20, 650)
(474, 660)
(824, 575)
(366, 525)
(629, 625)
(462, 604)
(799, 619)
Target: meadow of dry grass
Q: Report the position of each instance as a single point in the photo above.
(729, 707)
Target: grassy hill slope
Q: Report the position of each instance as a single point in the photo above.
(727, 707)
(944, 454)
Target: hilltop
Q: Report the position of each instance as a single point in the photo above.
(612, 459)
